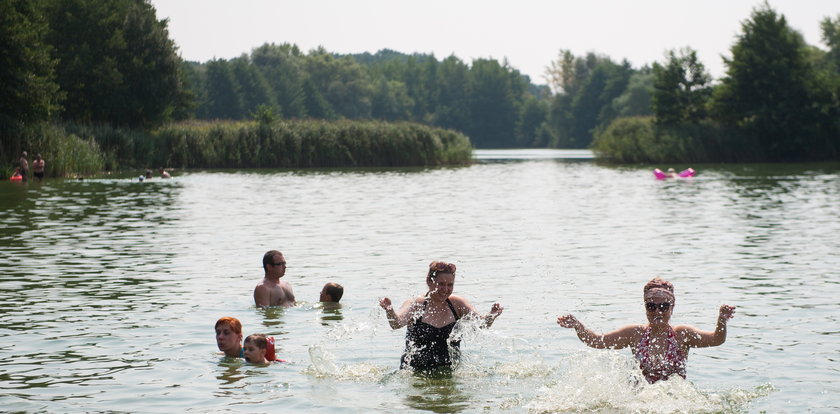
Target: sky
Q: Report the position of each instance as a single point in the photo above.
(528, 33)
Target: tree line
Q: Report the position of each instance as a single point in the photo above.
(778, 101)
(111, 62)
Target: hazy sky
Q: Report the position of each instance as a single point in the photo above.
(529, 33)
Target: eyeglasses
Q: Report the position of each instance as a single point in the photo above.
(279, 264)
(664, 306)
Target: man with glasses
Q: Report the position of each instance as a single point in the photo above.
(272, 291)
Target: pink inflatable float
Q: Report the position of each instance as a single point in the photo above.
(683, 174)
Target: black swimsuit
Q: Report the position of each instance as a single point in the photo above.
(426, 346)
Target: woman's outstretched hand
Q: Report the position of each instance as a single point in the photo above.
(568, 321)
(385, 303)
(496, 310)
(726, 312)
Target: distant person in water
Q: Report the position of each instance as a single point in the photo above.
(38, 167)
(672, 173)
(272, 291)
(148, 174)
(164, 173)
(23, 164)
(662, 350)
(430, 319)
(229, 337)
(331, 292)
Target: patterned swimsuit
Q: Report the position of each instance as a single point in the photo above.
(426, 346)
(655, 370)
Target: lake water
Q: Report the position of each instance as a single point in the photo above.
(110, 287)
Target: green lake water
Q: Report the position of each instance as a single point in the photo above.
(109, 287)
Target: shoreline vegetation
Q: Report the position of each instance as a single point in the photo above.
(90, 106)
(87, 150)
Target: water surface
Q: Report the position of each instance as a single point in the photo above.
(110, 287)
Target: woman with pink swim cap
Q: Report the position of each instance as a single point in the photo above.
(661, 349)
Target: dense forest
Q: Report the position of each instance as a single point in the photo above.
(111, 64)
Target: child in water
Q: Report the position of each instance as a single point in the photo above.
(259, 349)
(255, 349)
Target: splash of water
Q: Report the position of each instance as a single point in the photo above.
(324, 366)
(612, 382)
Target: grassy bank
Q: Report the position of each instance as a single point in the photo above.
(72, 149)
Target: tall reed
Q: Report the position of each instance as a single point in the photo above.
(65, 154)
(309, 143)
(79, 149)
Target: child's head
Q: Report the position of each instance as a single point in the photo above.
(229, 335)
(255, 348)
(332, 292)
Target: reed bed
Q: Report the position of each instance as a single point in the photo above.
(81, 150)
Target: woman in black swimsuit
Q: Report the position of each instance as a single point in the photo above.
(431, 318)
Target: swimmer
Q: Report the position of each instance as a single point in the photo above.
(255, 349)
(272, 291)
(229, 337)
(163, 173)
(430, 319)
(331, 292)
(661, 349)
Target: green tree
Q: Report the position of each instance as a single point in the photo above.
(830, 29)
(253, 87)
(681, 88)
(494, 103)
(282, 66)
(591, 106)
(771, 93)
(453, 94)
(28, 91)
(530, 126)
(636, 98)
(585, 89)
(116, 62)
(390, 100)
(224, 98)
(342, 82)
(314, 103)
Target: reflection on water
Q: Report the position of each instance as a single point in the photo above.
(437, 393)
(330, 312)
(110, 287)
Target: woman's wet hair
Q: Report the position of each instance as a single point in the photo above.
(440, 267)
(234, 324)
(257, 339)
(659, 284)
